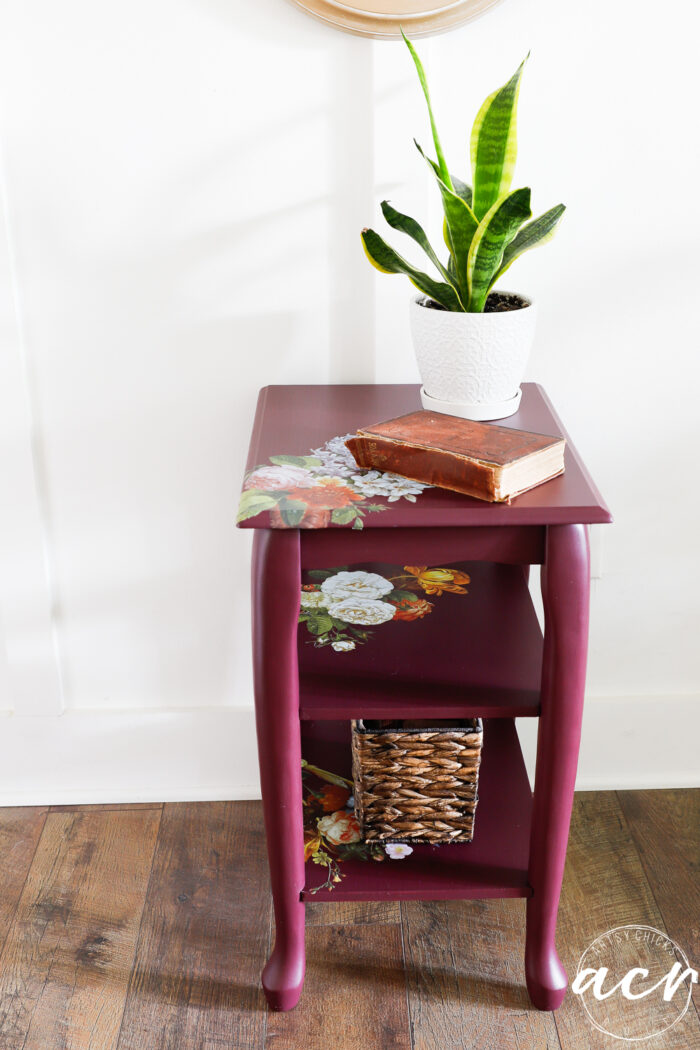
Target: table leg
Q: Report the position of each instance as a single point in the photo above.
(276, 590)
(565, 592)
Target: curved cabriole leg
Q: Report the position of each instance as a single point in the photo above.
(565, 592)
(276, 590)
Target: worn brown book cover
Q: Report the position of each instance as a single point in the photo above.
(484, 460)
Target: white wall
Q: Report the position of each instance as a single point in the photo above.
(183, 189)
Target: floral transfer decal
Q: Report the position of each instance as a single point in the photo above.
(323, 488)
(339, 605)
(331, 830)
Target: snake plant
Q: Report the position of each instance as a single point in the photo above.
(486, 227)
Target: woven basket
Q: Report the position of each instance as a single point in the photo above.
(416, 781)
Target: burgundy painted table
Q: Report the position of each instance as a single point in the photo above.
(476, 654)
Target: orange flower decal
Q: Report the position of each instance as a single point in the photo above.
(435, 581)
(414, 609)
(326, 497)
(333, 797)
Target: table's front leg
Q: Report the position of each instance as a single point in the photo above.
(565, 592)
(276, 590)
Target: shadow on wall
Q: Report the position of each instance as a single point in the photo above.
(340, 150)
(203, 243)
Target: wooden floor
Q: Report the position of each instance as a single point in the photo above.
(146, 927)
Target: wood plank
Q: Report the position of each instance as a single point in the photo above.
(665, 826)
(20, 829)
(104, 807)
(354, 996)
(65, 966)
(205, 934)
(466, 978)
(605, 887)
(352, 913)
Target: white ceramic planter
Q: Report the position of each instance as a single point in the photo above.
(472, 365)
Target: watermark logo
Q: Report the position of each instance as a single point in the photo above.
(634, 983)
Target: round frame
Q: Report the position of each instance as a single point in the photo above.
(410, 15)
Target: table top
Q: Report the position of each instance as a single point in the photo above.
(300, 475)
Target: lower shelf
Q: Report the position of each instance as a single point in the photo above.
(494, 864)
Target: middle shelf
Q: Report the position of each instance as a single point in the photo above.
(476, 653)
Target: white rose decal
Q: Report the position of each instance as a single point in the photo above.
(340, 828)
(362, 610)
(282, 476)
(393, 486)
(343, 647)
(312, 600)
(355, 585)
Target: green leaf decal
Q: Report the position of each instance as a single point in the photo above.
(444, 173)
(494, 145)
(320, 624)
(292, 511)
(332, 778)
(537, 232)
(399, 594)
(296, 461)
(387, 260)
(496, 230)
(343, 515)
(252, 502)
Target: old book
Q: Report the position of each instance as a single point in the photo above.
(478, 459)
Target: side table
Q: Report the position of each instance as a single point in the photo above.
(480, 655)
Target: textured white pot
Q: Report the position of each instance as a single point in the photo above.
(472, 365)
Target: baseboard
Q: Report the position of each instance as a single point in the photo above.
(173, 755)
(199, 754)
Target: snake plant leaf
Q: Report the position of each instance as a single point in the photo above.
(461, 225)
(448, 241)
(444, 173)
(537, 232)
(405, 224)
(386, 260)
(462, 189)
(496, 231)
(494, 145)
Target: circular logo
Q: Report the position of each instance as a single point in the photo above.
(634, 983)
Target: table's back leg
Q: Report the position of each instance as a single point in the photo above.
(565, 592)
(276, 591)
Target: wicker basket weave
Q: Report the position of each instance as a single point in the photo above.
(416, 782)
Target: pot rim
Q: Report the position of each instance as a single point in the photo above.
(418, 300)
